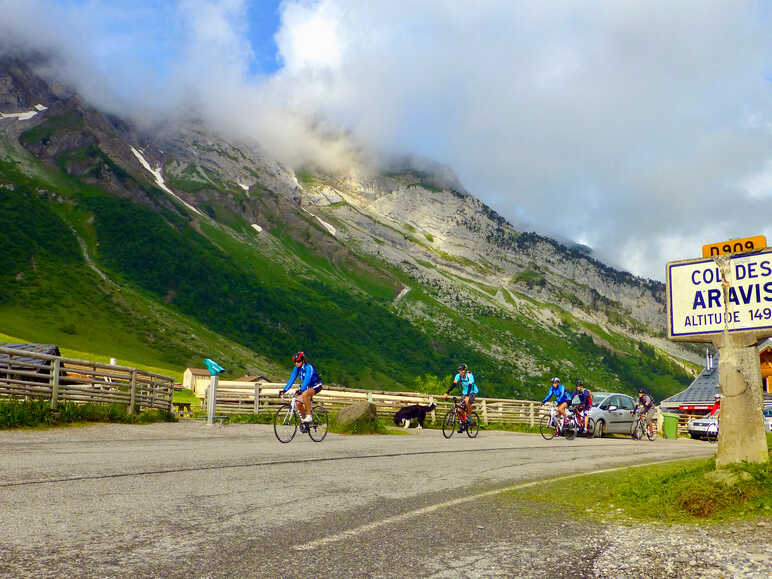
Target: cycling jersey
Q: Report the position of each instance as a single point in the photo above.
(585, 397)
(467, 384)
(560, 394)
(646, 401)
(309, 378)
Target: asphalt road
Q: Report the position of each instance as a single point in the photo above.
(194, 500)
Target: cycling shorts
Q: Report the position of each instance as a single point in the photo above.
(471, 398)
(317, 388)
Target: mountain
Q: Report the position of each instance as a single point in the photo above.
(175, 242)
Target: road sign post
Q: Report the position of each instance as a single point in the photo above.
(727, 300)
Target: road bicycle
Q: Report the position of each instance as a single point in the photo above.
(457, 418)
(287, 421)
(643, 427)
(551, 425)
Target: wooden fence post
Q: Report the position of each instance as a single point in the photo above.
(257, 397)
(530, 412)
(55, 384)
(133, 396)
(484, 410)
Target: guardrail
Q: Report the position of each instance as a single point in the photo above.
(31, 375)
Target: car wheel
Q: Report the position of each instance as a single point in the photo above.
(600, 428)
(694, 435)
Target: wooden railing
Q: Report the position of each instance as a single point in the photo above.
(262, 397)
(30, 375)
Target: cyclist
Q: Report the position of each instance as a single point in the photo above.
(465, 380)
(562, 398)
(310, 384)
(585, 403)
(643, 407)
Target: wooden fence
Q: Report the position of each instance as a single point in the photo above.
(30, 375)
(262, 397)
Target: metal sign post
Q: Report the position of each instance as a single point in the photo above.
(214, 370)
(727, 300)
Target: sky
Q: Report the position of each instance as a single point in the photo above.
(640, 128)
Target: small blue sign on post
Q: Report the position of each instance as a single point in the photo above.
(214, 367)
(214, 371)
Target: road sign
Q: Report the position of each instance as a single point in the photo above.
(743, 245)
(700, 305)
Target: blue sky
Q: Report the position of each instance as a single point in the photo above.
(642, 128)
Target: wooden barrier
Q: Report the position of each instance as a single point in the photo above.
(262, 397)
(31, 375)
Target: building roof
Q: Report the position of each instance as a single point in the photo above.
(50, 349)
(702, 391)
(198, 371)
(251, 379)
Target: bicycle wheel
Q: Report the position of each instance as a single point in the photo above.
(547, 427)
(590, 432)
(651, 432)
(473, 426)
(637, 432)
(449, 424)
(317, 430)
(285, 424)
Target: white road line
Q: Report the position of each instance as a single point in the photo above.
(430, 509)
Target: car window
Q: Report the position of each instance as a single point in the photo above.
(768, 412)
(626, 403)
(598, 399)
(611, 401)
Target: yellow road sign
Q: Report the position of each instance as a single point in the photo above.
(735, 246)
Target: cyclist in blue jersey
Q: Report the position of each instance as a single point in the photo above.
(464, 380)
(310, 384)
(562, 398)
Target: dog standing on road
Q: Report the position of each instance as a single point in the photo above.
(405, 415)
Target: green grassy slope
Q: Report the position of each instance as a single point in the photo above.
(176, 293)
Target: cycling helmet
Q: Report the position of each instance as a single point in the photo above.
(579, 384)
(298, 357)
(462, 366)
(555, 379)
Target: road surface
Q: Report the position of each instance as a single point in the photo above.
(189, 499)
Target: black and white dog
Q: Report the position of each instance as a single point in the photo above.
(405, 415)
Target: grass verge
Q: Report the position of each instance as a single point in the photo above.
(33, 413)
(677, 492)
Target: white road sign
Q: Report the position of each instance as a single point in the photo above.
(696, 305)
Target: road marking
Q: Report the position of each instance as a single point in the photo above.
(432, 508)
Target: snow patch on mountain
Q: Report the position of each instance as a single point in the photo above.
(24, 115)
(326, 225)
(159, 180)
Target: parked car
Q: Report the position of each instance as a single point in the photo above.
(768, 418)
(698, 426)
(611, 413)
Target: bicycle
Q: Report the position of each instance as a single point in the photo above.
(287, 420)
(588, 431)
(640, 427)
(457, 416)
(550, 425)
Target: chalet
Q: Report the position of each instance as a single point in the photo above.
(197, 380)
(699, 396)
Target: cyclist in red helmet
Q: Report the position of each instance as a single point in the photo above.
(310, 384)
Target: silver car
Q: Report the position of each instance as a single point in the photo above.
(611, 412)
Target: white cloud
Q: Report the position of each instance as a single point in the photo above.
(642, 128)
